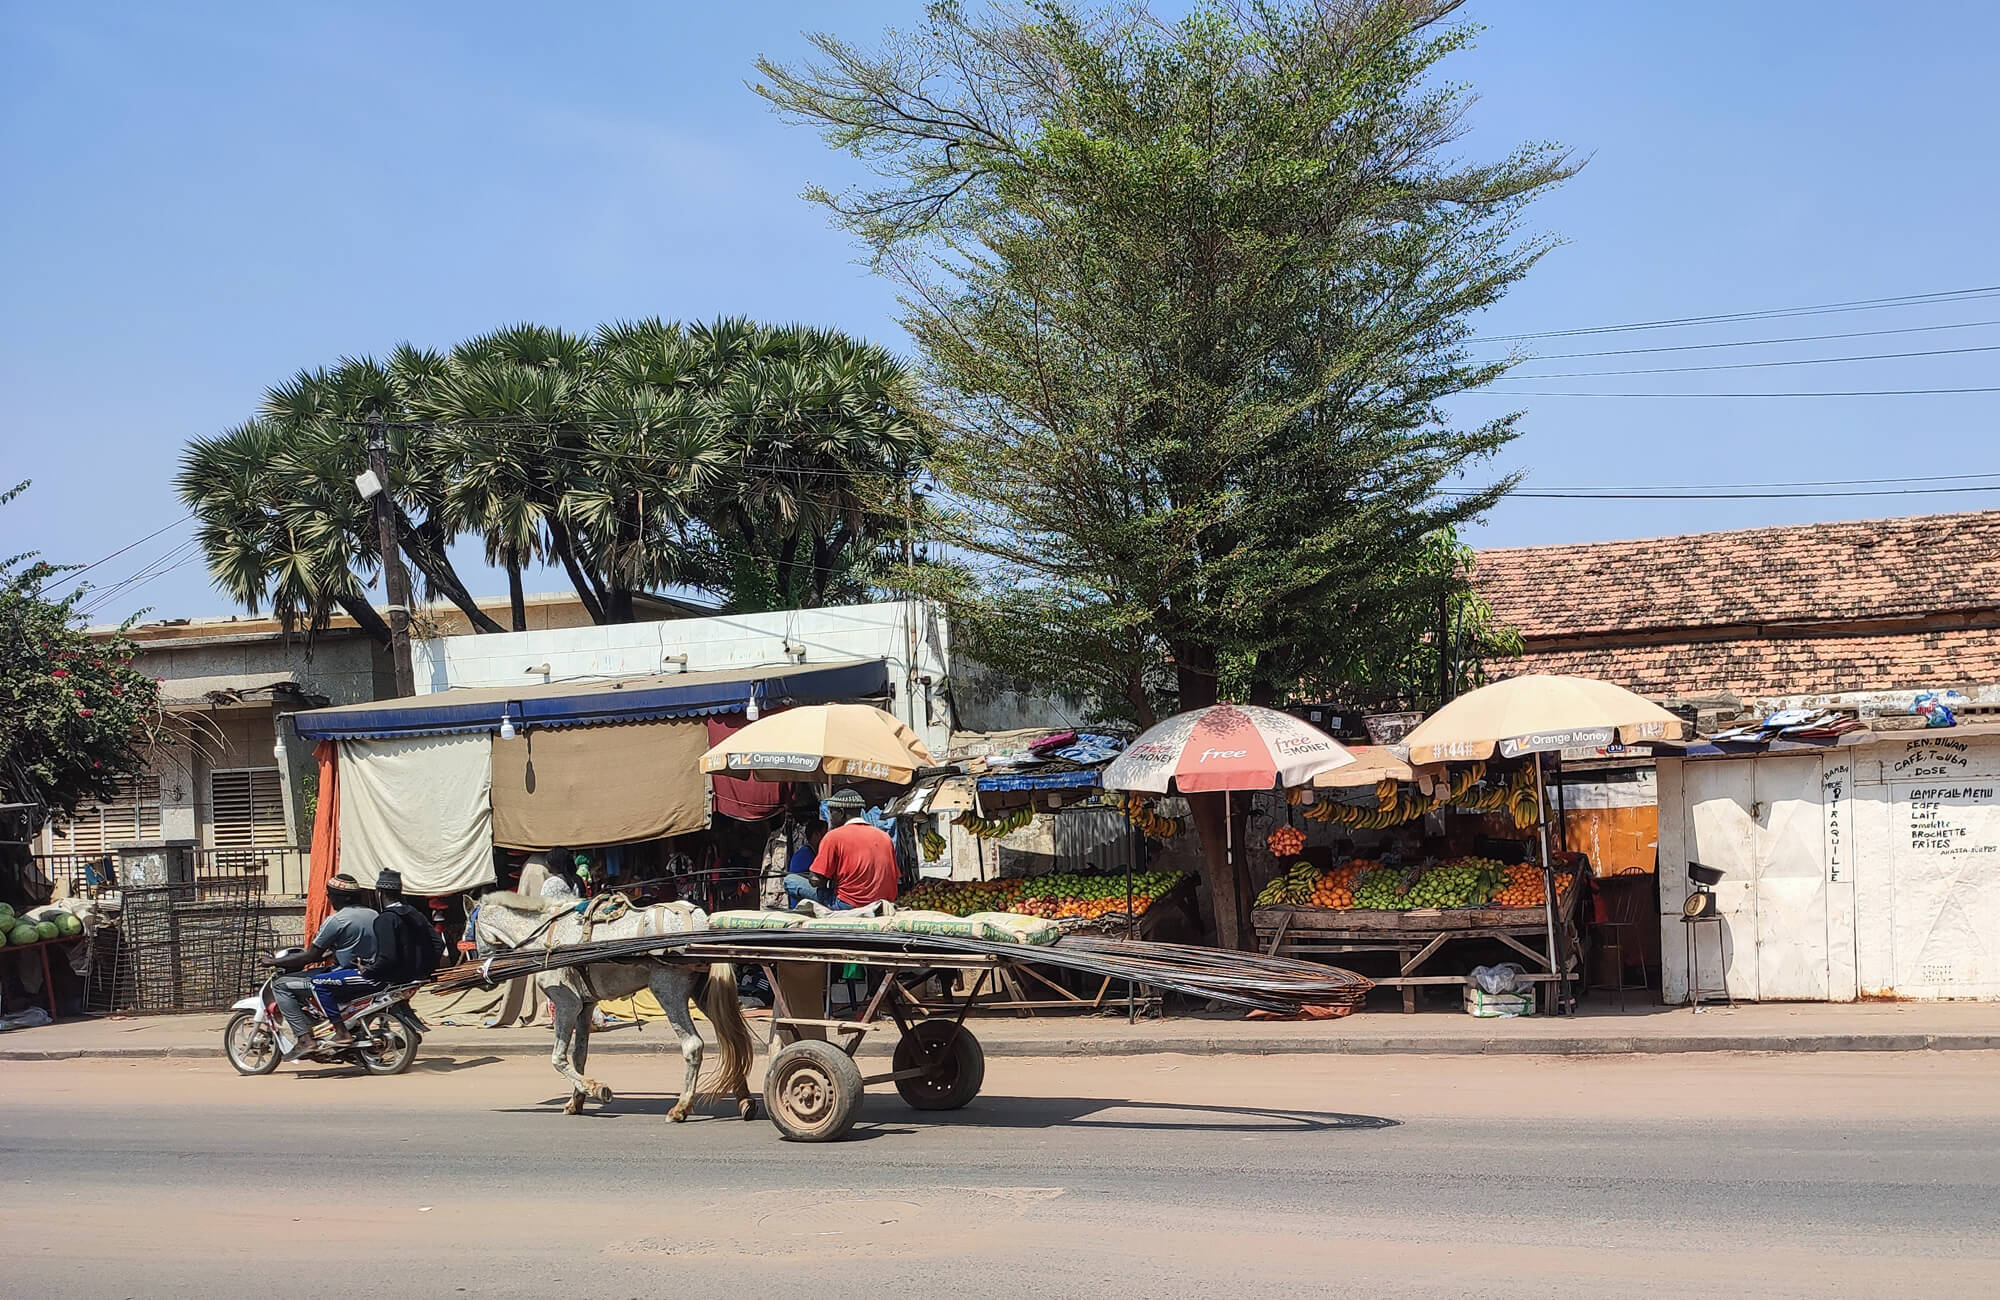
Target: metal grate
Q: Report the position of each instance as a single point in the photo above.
(191, 946)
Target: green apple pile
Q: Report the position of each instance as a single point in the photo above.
(1057, 896)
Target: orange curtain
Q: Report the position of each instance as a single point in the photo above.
(326, 838)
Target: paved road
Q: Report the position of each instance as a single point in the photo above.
(1723, 1175)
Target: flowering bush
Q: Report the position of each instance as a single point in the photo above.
(75, 716)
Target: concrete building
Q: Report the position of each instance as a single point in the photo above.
(229, 785)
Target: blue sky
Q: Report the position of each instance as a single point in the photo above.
(204, 198)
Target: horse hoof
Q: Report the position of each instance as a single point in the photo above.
(598, 1092)
(747, 1108)
(574, 1106)
(676, 1117)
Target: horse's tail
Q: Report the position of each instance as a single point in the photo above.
(725, 1011)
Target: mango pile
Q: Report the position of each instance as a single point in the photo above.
(1367, 885)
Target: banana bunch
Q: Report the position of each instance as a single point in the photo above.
(933, 845)
(1140, 813)
(1293, 889)
(1524, 800)
(1464, 779)
(996, 828)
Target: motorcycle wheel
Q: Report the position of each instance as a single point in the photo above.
(395, 1046)
(251, 1048)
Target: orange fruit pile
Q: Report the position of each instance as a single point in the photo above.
(1286, 841)
(1336, 887)
(1524, 887)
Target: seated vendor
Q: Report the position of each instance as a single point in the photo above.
(855, 865)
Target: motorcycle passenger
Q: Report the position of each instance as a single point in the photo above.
(348, 937)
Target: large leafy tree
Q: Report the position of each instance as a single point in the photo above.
(75, 716)
(1189, 297)
(765, 465)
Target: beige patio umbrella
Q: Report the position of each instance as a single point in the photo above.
(1537, 714)
(853, 740)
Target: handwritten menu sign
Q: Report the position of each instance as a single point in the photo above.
(1834, 784)
(1929, 757)
(1952, 820)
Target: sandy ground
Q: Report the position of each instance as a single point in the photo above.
(1845, 1175)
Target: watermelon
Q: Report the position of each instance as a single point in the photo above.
(6, 914)
(47, 929)
(22, 934)
(70, 924)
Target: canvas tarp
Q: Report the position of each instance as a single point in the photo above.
(586, 786)
(421, 807)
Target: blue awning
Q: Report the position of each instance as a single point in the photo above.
(1086, 780)
(594, 703)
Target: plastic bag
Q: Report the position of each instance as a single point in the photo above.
(1936, 707)
(1504, 978)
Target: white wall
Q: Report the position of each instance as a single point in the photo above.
(910, 635)
(1907, 846)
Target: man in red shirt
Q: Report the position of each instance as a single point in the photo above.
(856, 864)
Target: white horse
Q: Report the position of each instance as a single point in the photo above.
(508, 921)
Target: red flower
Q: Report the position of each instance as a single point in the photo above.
(60, 672)
(86, 713)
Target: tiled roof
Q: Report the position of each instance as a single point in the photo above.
(1786, 610)
(1877, 568)
(1801, 666)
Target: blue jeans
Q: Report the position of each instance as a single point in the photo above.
(341, 984)
(799, 887)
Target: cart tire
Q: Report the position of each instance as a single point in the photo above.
(812, 1091)
(251, 1047)
(960, 1065)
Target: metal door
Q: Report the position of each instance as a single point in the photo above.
(1790, 839)
(1719, 797)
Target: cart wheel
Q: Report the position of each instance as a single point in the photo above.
(959, 1065)
(812, 1090)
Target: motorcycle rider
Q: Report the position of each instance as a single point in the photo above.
(348, 937)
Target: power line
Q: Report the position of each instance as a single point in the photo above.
(1758, 343)
(1864, 392)
(1777, 313)
(1793, 483)
(1753, 365)
(1586, 495)
(69, 574)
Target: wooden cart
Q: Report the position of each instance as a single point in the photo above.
(812, 1085)
(1416, 936)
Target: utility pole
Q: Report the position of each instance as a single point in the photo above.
(395, 579)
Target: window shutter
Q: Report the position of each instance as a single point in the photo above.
(247, 806)
(131, 816)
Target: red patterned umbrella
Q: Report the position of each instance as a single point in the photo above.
(1226, 747)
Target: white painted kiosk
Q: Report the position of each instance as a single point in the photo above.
(1860, 869)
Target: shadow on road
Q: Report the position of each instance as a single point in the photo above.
(882, 1116)
(451, 1064)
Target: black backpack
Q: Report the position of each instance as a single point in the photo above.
(407, 946)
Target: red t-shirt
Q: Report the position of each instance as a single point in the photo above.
(860, 861)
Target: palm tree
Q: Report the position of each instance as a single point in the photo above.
(767, 465)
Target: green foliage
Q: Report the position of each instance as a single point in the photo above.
(764, 464)
(75, 716)
(1189, 299)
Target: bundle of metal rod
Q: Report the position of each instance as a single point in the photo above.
(1244, 979)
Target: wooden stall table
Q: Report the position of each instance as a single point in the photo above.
(1416, 936)
(48, 977)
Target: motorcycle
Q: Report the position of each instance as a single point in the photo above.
(256, 1038)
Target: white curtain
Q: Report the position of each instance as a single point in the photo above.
(422, 807)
